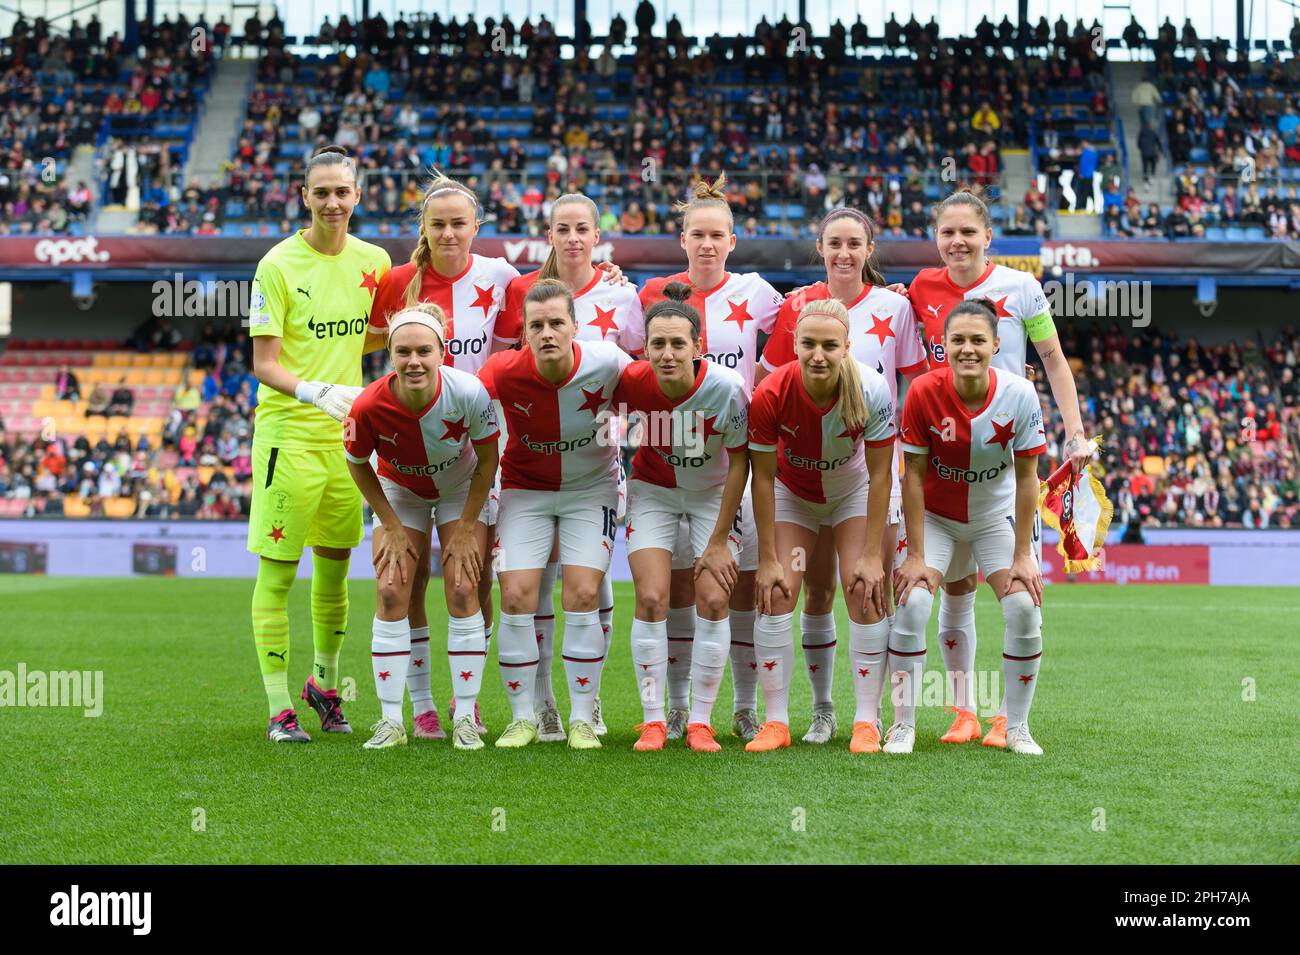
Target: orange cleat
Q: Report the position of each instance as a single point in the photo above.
(997, 734)
(866, 738)
(965, 727)
(699, 737)
(771, 735)
(653, 736)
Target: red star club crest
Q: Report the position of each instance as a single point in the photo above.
(484, 298)
(628, 532)
(863, 672)
(812, 668)
(881, 329)
(706, 425)
(417, 663)
(604, 320)
(582, 681)
(1002, 434)
(770, 665)
(1027, 679)
(672, 659)
(753, 666)
(902, 545)
(739, 314)
(645, 666)
(368, 281)
(277, 533)
(385, 674)
(1000, 304)
(951, 643)
(595, 401)
(456, 430)
(513, 684)
(466, 674)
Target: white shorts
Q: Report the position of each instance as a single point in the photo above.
(417, 512)
(795, 510)
(743, 528)
(990, 543)
(622, 494)
(529, 521)
(963, 563)
(656, 517)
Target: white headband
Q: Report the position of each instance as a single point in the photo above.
(415, 316)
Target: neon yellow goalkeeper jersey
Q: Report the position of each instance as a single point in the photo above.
(319, 307)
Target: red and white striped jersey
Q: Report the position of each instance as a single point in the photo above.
(970, 454)
(883, 333)
(683, 439)
(429, 451)
(1021, 306)
(734, 312)
(557, 439)
(817, 457)
(606, 312)
(471, 301)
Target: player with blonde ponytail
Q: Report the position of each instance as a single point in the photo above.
(469, 289)
(735, 307)
(809, 424)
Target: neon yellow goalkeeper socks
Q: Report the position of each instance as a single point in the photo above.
(271, 629)
(329, 616)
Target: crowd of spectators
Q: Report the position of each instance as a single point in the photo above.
(807, 129)
(1193, 434)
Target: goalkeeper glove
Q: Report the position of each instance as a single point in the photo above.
(334, 400)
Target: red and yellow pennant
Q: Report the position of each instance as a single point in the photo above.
(1080, 511)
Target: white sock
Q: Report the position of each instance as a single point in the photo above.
(957, 645)
(650, 660)
(712, 643)
(584, 655)
(464, 638)
(607, 611)
(517, 660)
(417, 675)
(544, 630)
(774, 652)
(1022, 651)
(907, 653)
(744, 669)
(681, 643)
(390, 657)
(817, 634)
(868, 648)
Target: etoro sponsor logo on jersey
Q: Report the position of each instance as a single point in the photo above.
(816, 464)
(423, 470)
(966, 475)
(337, 329)
(559, 447)
(471, 346)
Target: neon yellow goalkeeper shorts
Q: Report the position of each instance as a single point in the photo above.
(302, 499)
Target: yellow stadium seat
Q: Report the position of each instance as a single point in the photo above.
(42, 407)
(47, 392)
(62, 408)
(1154, 465)
(119, 507)
(161, 359)
(104, 359)
(196, 377)
(137, 376)
(141, 361)
(205, 473)
(179, 359)
(74, 506)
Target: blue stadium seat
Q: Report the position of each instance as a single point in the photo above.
(1254, 233)
(1235, 233)
(1215, 233)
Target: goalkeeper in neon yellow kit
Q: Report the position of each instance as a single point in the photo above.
(308, 318)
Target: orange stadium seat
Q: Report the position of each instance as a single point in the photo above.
(1154, 465)
(161, 359)
(119, 507)
(74, 506)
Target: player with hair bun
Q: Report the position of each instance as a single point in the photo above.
(607, 309)
(734, 308)
(963, 231)
(308, 315)
(883, 334)
(693, 410)
(470, 290)
(558, 475)
(972, 434)
(809, 424)
(434, 432)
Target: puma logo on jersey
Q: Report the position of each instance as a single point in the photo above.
(526, 409)
(793, 432)
(942, 435)
(933, 310)
(384, 437)
(303, 291)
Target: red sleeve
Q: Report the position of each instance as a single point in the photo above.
(762, 416)
(632, 386)
(358, 436)
(916, 428)
(779, 349)
(488, 374)
(510, 323)
(388, 297)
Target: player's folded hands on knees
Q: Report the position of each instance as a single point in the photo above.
(393, 553)
(462, 553)
(770, 578)
(717, 560)
(869, 577)
(1025, 570)
(911, 574)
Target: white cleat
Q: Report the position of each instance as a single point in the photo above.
(823, 724)
(464, 734)
(386, 734)
(1019, 741)
(549, 727)
(677, 723)
(900, 738)
(597, 720)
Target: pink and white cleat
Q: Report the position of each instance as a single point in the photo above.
(478, 722)
(427, 726)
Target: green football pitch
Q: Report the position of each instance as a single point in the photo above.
(1168, 716)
